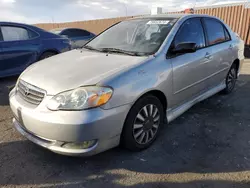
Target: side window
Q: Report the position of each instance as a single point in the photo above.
(81, 33)
(67, 32)
(14, 33)
(191, 31)
(77, 33)
(84, 33)
(215, 31)
(32, 34)
(227, 35)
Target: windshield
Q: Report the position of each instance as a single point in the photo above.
(141, 36)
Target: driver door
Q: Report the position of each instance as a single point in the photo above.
(190, 69)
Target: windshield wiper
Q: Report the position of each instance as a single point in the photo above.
(91, 48)
(120, 51)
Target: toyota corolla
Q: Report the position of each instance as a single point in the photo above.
(122, 86)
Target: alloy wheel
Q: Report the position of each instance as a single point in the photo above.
(231, 79)
(146, 124)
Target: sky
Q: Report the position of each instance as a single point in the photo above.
(54, 11)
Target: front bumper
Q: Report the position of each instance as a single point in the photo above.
(52, 129)
(53, 145)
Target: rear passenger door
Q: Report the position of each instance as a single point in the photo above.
(222, 51)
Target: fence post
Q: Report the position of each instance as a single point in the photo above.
(241, 19)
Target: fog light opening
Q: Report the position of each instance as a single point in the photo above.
(82, 145)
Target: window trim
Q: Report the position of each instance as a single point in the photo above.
(28, 29)
(1, 36)
(224, 29)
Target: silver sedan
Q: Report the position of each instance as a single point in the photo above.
(122, 86)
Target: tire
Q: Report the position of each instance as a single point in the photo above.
(231, 80)
(46, 55)
(138, 134)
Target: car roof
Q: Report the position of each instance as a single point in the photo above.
(65, 28)
(14, 23)
(171, 16)
(22, 25)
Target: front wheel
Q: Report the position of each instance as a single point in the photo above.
(143, 123)
(231, 80)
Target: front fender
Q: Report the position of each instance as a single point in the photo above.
(129, 86)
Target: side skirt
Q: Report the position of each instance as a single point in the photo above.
(176, 112)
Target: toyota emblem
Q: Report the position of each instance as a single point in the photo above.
(26, 91)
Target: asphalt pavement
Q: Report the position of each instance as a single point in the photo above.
(208, 146)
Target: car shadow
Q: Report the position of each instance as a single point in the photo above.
(6, 84)
(32, 166)
(211, 138)
(166, 184)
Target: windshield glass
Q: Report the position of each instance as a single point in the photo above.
(141, 36)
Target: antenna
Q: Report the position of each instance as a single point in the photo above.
(126, 9)
(195, 3)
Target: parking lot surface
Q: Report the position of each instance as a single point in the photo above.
(208, 146)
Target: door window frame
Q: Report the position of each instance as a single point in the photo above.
(1, 36)
(26, 28)
(169, 56)
(202, 20)
(224, 29)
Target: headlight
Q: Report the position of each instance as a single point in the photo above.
(81, 98)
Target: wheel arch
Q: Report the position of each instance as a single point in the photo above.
(237, 63)
(157, 93)
(50, 51)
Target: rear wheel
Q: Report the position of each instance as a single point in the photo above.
(47, 55)
(231, 80)
(143, 123)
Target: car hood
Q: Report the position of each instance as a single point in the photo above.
(76, 68)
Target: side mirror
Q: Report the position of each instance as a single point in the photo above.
(187, 47)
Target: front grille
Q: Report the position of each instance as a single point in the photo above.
(30, 93)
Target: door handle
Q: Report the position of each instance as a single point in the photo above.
(208, 56)
(231, 46)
